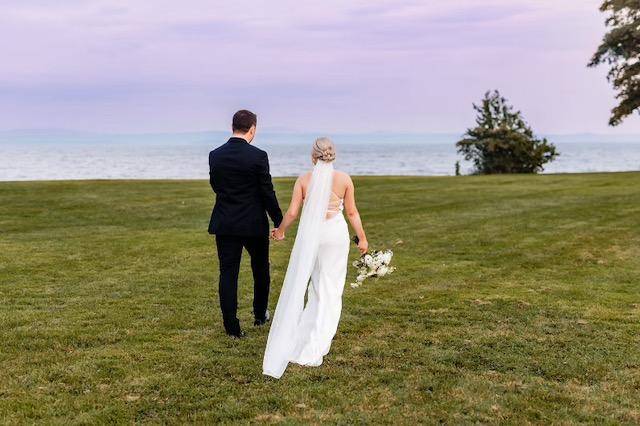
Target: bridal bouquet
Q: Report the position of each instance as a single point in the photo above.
(376, 263)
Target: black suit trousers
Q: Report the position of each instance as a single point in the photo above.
(229, 256)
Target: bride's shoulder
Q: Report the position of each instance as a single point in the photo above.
(342, 176)
(304, 178)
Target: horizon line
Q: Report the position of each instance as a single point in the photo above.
(282, 131)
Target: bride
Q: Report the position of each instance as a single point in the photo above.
(318, 264)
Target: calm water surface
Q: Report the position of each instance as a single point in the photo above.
(148, 157)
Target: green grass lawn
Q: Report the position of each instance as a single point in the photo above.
(516, 299)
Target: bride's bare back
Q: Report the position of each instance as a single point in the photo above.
(341, 184)
(343, 192)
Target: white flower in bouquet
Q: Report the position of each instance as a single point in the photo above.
(368, 260)
(375, 264)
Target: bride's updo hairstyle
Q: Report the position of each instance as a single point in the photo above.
(323, 149)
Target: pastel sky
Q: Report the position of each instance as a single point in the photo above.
(330, 65)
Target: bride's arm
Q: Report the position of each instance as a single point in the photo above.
(354, 216)
(292, 212)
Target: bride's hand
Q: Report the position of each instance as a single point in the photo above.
(363, 246)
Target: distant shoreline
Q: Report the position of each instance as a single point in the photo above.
(46, 136)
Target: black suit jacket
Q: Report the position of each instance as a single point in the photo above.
(239, 175)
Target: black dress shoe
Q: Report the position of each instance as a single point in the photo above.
(267, 317)
(239, 335)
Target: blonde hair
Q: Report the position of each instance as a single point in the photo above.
(323, 149)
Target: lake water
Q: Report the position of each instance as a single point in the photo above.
(185, 156)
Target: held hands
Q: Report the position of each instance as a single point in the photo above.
(277, 234)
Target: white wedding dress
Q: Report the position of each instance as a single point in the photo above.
(318, 267)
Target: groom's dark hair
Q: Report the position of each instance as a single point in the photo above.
(243, 120)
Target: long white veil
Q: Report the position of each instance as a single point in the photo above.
(282, 335)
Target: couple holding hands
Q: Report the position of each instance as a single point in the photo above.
(240, 177)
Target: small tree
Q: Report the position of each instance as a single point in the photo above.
(620, 49)
(502, 142)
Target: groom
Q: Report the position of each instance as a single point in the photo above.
(239, 175)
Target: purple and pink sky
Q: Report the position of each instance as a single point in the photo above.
(331, 65)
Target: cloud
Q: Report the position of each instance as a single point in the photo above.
(358, 65)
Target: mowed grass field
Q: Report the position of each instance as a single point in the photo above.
(516, 299)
